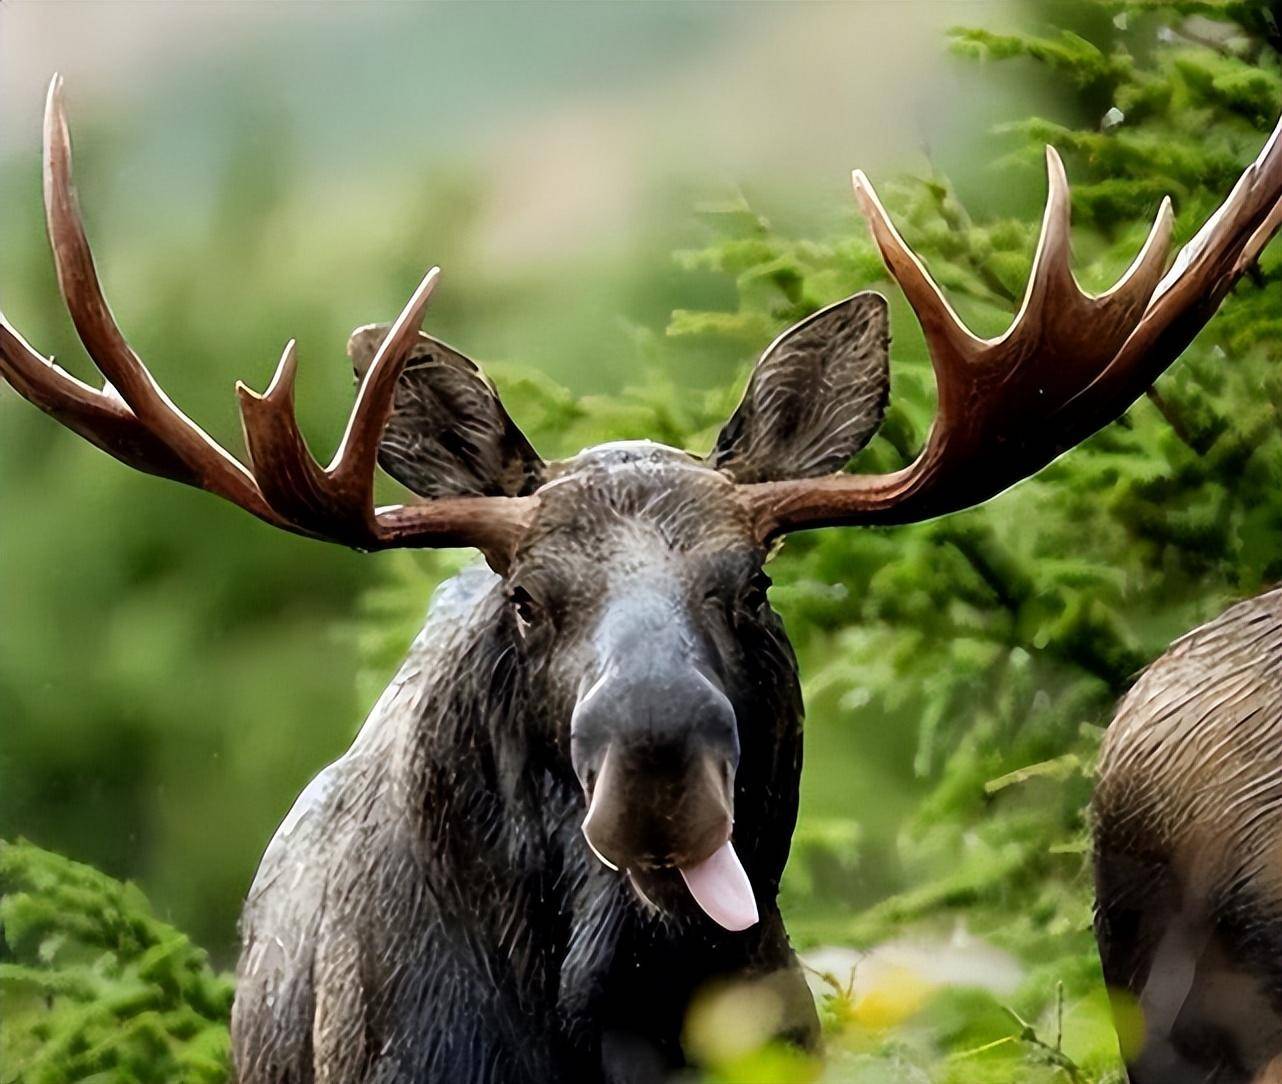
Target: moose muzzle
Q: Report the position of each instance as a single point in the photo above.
(655, 745)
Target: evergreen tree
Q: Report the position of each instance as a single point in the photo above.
(93, 987)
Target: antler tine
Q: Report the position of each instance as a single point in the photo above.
(1055, 309)
(98, 416)
(340, 497)
(938, 320)
(353, 463)
(1050, 279)
(1068, 364)
(1228, 243)
(213, 467)
(133, 419)
(288, 477)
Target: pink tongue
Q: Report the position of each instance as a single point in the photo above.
(721, 887)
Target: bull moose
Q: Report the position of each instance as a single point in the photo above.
(1187, 817)
(572, 807)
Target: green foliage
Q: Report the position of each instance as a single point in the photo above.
(93, 987)
(957, 674)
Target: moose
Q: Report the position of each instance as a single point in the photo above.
(1187, 819)
(571, 809)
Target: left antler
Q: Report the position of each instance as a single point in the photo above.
(1068, 365)
(132, 418)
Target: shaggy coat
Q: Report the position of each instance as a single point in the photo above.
(428, 911)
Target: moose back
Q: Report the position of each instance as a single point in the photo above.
(1187, 844)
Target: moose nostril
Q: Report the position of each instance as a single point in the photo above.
(718, 727)
(587, 836)
(601, 826)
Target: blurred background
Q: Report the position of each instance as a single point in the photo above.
(628, 201)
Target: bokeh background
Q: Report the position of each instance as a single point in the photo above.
(628, 202)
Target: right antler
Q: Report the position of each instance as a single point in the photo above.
(133, 419)
(1068, 365)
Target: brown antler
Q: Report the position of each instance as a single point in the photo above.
(1068, 365)
(132, 418)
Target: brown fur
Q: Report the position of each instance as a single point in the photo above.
(429, 911)
(1188, 847)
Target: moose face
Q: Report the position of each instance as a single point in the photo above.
(638, 594)
(639, 601)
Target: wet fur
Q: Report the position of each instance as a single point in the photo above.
(429, 911)
(1188, 842)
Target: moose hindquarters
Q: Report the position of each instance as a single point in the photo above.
(1187, 817)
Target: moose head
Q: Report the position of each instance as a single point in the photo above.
(634, 573)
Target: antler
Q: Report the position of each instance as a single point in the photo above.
(1068, 365)
(132, 418)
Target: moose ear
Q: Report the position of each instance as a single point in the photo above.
(815, 398)
(448, 435)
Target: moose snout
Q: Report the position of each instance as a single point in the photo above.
(657, 764)
(643, 819)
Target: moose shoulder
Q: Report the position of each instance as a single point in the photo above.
(572, 807)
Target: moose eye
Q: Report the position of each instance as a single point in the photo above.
(526, 609)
